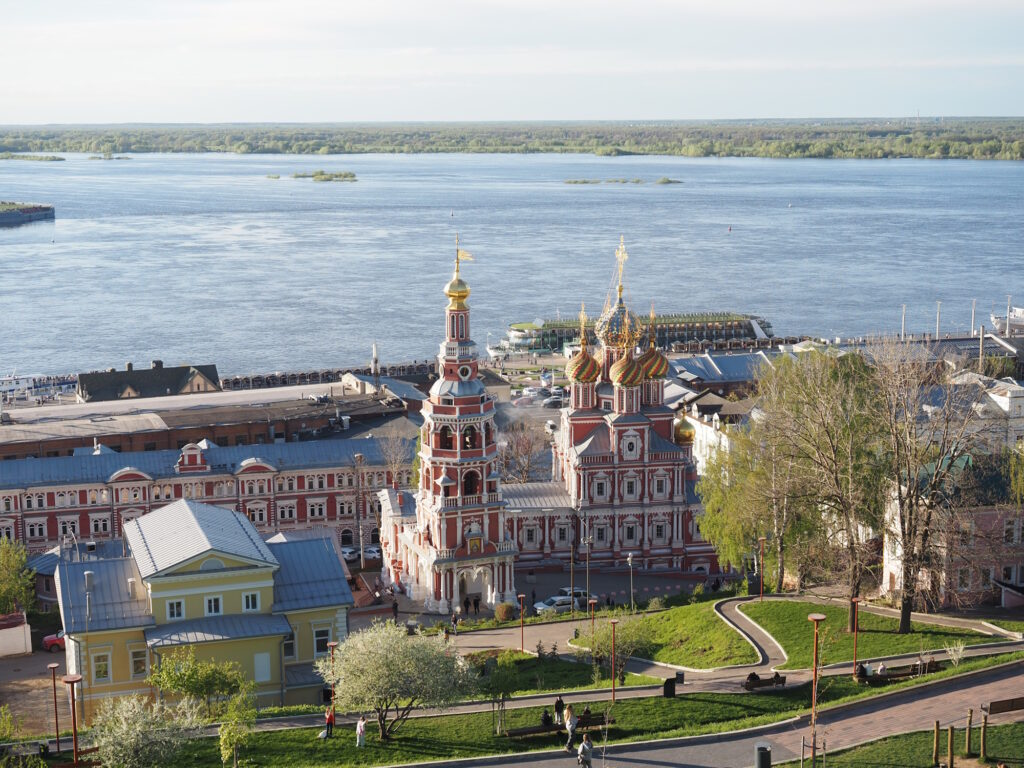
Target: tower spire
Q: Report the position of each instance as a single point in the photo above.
(621, 256)
(652, 338)
(583, 327)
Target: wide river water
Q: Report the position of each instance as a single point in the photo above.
(203, 258)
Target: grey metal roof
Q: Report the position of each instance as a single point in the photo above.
(44, 563)
(660, 445)
(302, 676)
(215, 628)
(403, 390)
(57, 470)
(596, 443)
(536, 496)
(186, 529)
(407, 506)
(471, 388)
(310, 576)
(109, 606)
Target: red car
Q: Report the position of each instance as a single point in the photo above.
(54, 643)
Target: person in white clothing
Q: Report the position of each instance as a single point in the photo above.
(586, 751)
(361, 732)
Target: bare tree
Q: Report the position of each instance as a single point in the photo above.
(930, 424)
(397, 452)
(521, 451)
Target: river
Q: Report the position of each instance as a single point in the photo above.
(203, 258)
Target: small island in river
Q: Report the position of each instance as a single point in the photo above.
(326, 176)
(14, 214)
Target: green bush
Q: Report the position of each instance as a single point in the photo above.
(697, 594)
(504, 612)
(656, 604)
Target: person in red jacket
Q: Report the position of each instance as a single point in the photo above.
(329, 719)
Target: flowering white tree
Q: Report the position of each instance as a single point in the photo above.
(132, 732)
(384, 670)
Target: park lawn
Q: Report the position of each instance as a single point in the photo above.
(1010, 624)
(914, 750)
(453, 736)
(692, 636)
(553, 675)
(786, 621)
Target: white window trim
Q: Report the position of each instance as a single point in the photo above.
(330, 637)
(167, 609)
(132, 650)
(250, 610)
(206, 605)
(92, 668)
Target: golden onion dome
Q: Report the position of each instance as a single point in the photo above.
(626, 372)
(457, 292)
(583, 368)
(683, 431)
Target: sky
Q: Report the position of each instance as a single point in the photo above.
(112, 61)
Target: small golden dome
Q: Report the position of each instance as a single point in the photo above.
(457, 292)
(625, 372)
(683, 431)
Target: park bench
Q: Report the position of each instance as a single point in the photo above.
(1003, 705)
(764, 682)
(586, 722)
(900, 673)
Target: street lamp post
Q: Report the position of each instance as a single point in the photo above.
(614, 622)
(817, 618)
(629, 560)
(332, 645)
(593, 604)
(856, 629)
(71, 681)
(56, 721)
(572, 566)
(522, 632)
(760, 568)
(587, 539)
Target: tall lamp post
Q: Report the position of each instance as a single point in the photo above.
(56, 721)
(629, 560)
(593, 603)
(856, 629)
(817, 618)
(588, 540)
(71, 681)
(572, 563)
(614, 622)
(522, 632)
(332, 645)
(760, 568)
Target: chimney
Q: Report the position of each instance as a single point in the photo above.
(157, 364)
(88, 580)
(128, 366)
(399, 498)
(131, 587)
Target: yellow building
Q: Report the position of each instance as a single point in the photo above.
(197, 575)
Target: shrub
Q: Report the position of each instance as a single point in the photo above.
(504, 612)
(697, 594)
(656, 604)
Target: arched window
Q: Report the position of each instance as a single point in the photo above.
(470, 483)
(346, 538)
(462, 326)
(445, 438)
(375, 536)
(469, 437)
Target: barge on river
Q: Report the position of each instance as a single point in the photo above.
(16, 214)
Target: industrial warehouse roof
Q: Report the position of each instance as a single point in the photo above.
(181, 531)
(82, 428)
(740, 366)
(403, 390)
(215, 628)
(60, 470)
(109, 605)
(310, 576)
(536, 496)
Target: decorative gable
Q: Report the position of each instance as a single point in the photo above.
(191, 460)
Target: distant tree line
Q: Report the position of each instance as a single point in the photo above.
(963, 138)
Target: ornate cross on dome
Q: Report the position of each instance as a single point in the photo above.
(651, 336)
(621, 256)
(583, 327)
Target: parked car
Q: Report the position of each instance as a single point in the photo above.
(350, 554)
(529, 391)
(54, 643)
(543, 392)
(372, 552)
(558, 391)
(521, 401)
(552, 402)
(582, 596)
(554, 604)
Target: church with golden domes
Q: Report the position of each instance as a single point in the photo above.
(622, 472)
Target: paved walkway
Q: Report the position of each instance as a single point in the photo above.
(875, 718)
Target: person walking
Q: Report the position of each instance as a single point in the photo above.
(394, 610)
(476, 605)
(559, 709)
(571, 721)
(361, 732)
(465, 606)
(586, 753)
(329, 720)
(455, 624)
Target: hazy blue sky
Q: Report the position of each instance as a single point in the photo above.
(343, 60)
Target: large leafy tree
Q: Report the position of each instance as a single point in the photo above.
(237, 723)
(17, 582)
(182, 674)
(383, 670)
(133, 732)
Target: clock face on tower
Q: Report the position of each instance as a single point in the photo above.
(465, 372)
